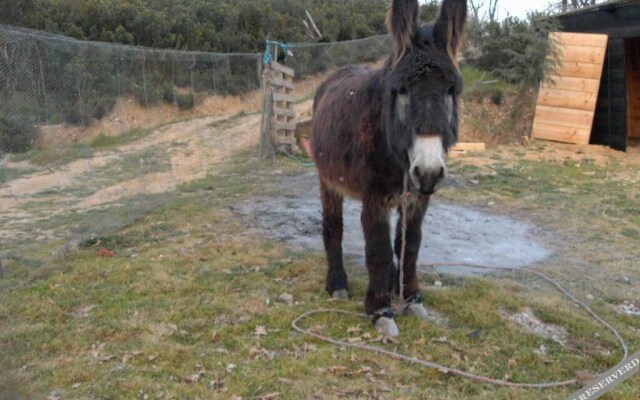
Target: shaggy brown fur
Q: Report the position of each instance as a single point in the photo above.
(365, 123)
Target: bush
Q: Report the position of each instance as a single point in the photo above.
(480, 92)
(16, 136)
(185, 101)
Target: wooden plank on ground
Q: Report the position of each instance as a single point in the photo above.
(469, 146)
(460, 149)
(565, 108)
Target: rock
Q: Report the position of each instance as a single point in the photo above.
(437, 284)
(590, 297)
(419, 311)
(626, 280)
(286, 298)
(341, 294)
(387, 327)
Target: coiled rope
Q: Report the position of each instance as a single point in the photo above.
(453, 371)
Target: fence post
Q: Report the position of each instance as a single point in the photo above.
(44, 88)
(267, 147)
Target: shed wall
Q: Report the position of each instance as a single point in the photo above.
(619, 22)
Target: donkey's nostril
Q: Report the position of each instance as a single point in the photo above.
(416, 172)
(441, 174)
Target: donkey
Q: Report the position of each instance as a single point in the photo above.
(373, 127)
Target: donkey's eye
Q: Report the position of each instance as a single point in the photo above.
(403, 90)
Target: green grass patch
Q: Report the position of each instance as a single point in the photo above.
(55, 155)
(103, 141)
(187, 307)
(9, 174)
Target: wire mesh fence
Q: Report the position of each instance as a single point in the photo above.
(95, 135)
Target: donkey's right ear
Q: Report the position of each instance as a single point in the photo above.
(402, 22)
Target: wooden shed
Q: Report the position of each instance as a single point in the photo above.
(616, 121)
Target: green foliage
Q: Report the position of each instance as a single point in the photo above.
(515, 49)
(538, 58)
(518, 51)
(16, 135)
(185, 101)
(490, 41)
(215, 26)
(430, 10)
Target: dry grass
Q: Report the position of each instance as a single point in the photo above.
(188, 306)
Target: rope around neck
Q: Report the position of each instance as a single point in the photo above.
(403, 246)
(454, 371)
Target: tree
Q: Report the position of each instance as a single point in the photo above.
(575, 4)
(480, 14)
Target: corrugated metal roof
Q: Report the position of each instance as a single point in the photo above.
(604, 6)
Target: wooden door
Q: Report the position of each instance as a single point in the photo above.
(567, 100)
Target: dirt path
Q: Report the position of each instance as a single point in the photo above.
(190, 149)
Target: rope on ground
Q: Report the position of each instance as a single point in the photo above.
(454, 371)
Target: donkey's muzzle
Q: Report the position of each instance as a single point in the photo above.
(428, 168)
(427, 181)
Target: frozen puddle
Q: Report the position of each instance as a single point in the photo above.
(451, 234)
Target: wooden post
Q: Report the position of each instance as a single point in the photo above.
(267, 146)
(285, 126)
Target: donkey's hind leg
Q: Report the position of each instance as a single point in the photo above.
(332, 227)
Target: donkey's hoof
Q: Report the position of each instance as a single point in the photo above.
(418, 310)
(341, 294)
(387, 327)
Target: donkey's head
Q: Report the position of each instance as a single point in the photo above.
(421, 89)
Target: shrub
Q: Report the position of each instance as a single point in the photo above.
(185, 101)
(16, 136)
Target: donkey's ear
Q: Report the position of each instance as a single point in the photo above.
(449, 28)
(402, 22)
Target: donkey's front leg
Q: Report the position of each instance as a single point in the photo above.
(413, 239)
(379, 259)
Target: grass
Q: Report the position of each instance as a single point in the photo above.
(227, 121)
(103, 141)
(9, 174)
(65, 153)
(187, 307)
(55, 155)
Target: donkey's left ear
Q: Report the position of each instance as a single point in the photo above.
(449, 28)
